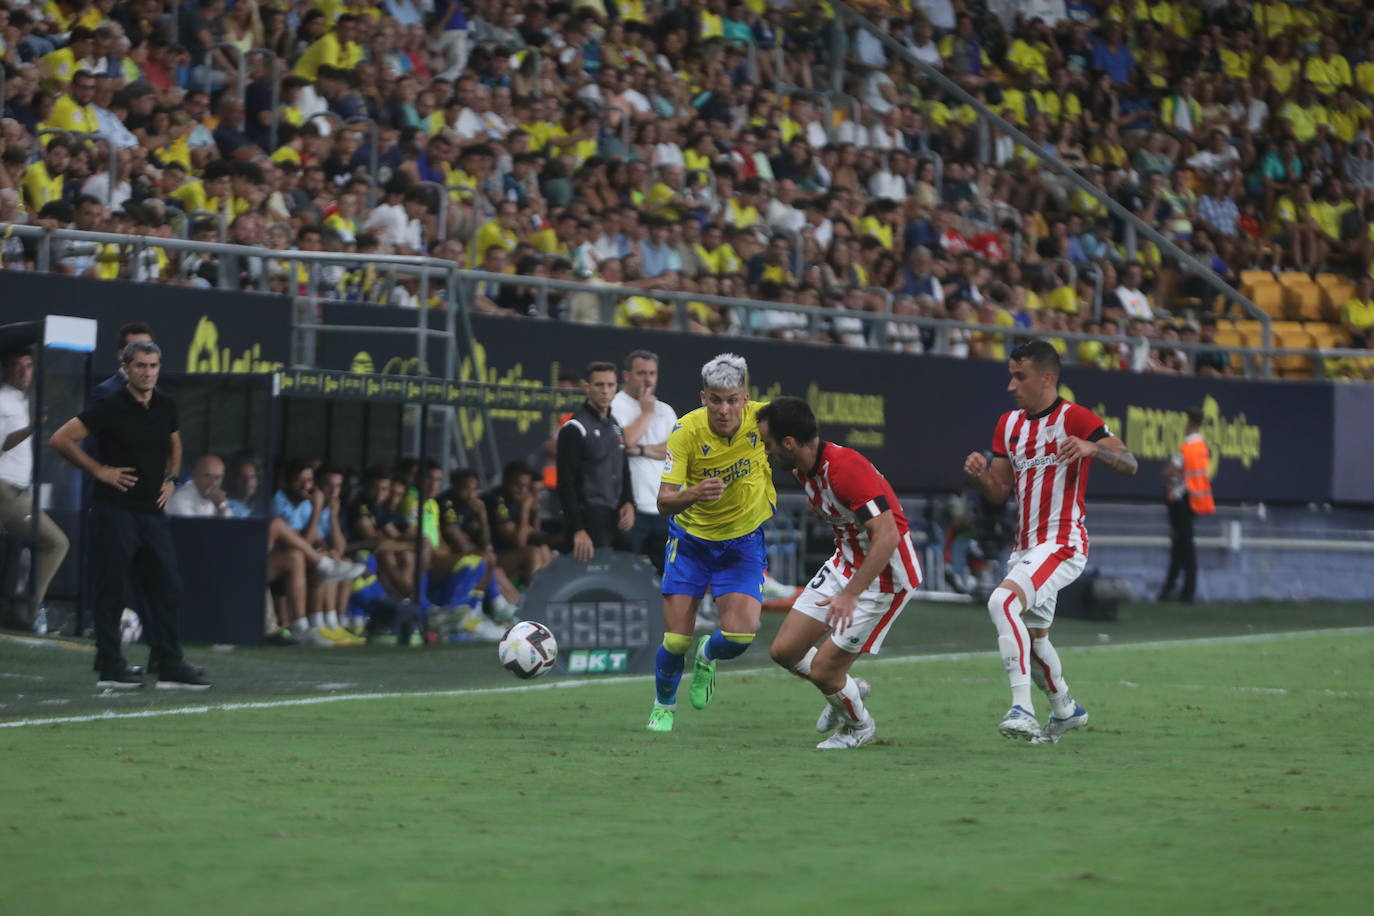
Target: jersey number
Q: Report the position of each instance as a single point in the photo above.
(820, 578)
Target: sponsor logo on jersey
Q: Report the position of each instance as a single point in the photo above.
(1026, 464)
(705, 450)
(753, 440)
(735, 471)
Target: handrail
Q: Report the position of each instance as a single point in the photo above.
(431, 267)
(240, 65)
(844, 12)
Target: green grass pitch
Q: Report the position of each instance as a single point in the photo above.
(1218, 776)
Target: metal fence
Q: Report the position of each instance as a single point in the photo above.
(456, 290)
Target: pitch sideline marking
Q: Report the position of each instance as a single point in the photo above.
(641, 678)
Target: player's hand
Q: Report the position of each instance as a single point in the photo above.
(317, 499)
(710, 489)
(839, 611)
(167, 489)
(627, 517)
(583, 548)
(1075, 448)
(976, 464)
(119, 478)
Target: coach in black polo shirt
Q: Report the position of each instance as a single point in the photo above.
(594, 471)
(135, 430)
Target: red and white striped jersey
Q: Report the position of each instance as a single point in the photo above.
(846, 490)
(1049, 495)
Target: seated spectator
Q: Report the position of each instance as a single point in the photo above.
(202, 496)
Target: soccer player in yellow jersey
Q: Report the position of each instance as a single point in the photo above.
(717, 491)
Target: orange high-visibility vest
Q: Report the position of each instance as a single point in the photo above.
(1196, 459)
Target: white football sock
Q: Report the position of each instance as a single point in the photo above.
(848, 702)
(1049, 675)
(331, 619)
(802, 668)
(317, 620)
(1013, 643)
(300, 626)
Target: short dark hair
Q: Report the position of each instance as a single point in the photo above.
(134, 327)
(1039, 353)
(599, 365)
(459, 476)
(639, 354)
(788, 416)
(1194, 416)
(9, 356)
(515, 469)
(139, 346)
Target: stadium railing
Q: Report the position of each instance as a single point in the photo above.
(847, 17)
(457, 287)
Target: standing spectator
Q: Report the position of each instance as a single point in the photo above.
(203, 495)
(1188, 492)
(594, 470)
(646, 422)
(138, 438)
(16, 483)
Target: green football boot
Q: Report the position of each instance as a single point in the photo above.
(660, 719)
(703, 677)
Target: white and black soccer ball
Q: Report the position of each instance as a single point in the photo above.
(130, 627)
(528, 649)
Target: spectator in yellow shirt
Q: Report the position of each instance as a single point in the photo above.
(1357, 315)
(59, 66)
(1305, 114)
(72, 110)
(338, 49)
(1328, 71)
(44, 181)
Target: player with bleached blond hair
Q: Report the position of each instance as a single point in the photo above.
(717, 492)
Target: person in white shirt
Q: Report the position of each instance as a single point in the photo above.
(16, 480)
(783, 214)
(647, 421)
(1133, 300)
(398, 220)
(203, 495)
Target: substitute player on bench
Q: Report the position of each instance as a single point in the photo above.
(717, 491)
(1043, 449)
(864, 585)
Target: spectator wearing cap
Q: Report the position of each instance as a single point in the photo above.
(61, 65)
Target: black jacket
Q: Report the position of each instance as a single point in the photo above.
(593, 467)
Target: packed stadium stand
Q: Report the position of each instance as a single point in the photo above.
(733, 149)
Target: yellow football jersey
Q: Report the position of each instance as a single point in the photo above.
(696, 453)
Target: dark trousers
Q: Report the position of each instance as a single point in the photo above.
(603, 525)
(1182, 550)
(135, 548)
(649, 537)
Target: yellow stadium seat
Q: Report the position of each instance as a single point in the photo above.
(1336, 294)
(1269, 296)
(1301, 299)
(1255, 276)
(1294, 277)
(1230, 337)
(1293, 336)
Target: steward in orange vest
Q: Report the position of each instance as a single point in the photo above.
(1188, 492)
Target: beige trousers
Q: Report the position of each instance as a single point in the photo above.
(16, 507)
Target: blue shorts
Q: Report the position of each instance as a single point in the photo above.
(693, 565)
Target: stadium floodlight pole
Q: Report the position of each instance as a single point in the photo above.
(1186, 261)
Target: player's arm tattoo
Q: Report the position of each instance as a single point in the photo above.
(1115, 456)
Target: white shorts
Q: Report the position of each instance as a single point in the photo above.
(1041, 572)
(874, 613)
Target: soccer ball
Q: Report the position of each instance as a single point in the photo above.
(130, 627)
(528, 649)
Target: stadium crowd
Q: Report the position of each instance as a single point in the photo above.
(697, 147)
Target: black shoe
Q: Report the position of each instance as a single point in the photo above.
(126, 679)
(280, 638)
(183, 677)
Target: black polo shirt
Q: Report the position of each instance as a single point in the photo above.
(130, 435)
